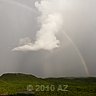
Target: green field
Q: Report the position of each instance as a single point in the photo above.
(14, 83)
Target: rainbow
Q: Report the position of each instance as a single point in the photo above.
(79, 53)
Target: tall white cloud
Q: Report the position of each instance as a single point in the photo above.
(51, 21)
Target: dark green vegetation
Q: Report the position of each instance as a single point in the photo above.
(14, 83)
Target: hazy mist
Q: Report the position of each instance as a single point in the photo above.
(18, 19)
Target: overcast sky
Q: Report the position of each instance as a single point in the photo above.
(18, 19)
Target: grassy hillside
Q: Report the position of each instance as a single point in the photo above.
(13, 83)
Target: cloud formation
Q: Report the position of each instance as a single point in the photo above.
(51, 21)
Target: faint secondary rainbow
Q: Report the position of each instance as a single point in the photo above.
(79, 54)
(19, 4)
(68, 37)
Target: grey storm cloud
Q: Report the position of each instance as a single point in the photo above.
(67, 26)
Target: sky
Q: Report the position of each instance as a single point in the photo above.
(76, 52)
